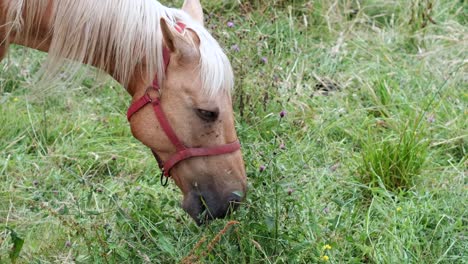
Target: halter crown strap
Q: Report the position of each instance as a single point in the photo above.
(146, 99)
(182, 152)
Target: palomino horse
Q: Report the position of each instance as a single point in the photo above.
(184, 115)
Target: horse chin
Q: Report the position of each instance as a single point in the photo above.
(194, 207)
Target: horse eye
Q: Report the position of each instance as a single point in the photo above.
(206, 115)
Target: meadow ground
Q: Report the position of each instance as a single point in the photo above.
(368, 165)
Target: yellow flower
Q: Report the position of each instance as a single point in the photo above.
(325, 258)
(327, 247)
(15, 99)
(398, 209)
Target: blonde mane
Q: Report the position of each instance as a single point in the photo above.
(127, 32)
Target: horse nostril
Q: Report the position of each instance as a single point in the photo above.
(237, 196)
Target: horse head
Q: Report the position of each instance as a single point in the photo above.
(194, 101)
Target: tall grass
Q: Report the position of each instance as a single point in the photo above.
(393, 161)
(368, 165)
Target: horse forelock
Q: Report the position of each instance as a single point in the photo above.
(215, 69)
(117, 36)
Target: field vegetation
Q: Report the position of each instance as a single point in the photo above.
(353, 119)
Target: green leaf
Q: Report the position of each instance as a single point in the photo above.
(166, 246)
(270, 222)
(92, 212)
(17, 246)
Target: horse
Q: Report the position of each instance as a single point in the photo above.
(176, 73)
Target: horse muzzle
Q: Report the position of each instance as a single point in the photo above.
(206, 206)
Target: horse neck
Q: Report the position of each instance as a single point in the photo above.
(39, 32)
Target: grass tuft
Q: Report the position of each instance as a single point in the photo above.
(392, 161)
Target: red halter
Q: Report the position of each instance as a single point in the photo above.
(182, 152)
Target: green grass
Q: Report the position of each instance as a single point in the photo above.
(392, 162)
(374, 160)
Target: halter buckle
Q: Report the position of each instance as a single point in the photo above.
(155, 89)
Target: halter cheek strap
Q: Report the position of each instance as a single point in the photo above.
(182, 152)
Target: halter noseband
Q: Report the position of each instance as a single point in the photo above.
(182, 152)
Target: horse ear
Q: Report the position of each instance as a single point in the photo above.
(194, 9)
(168, 35)
(175, 41)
